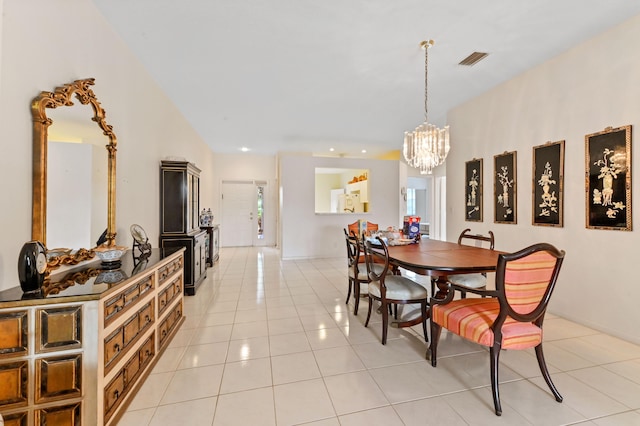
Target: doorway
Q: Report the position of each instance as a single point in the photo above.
(243, 213)
(421, 202)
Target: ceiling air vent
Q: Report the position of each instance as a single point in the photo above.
(473, 59)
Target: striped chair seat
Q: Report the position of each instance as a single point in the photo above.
(473, 318)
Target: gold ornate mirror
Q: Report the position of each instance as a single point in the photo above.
(63, 97)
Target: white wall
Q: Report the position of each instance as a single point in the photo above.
(47, 44)
(306, 234)
(590, 87)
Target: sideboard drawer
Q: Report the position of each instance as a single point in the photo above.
(58, 377)
(117, 305)
(16, 419)
(59, 328)
(13, 384)
(169, 294)
(131, 329)
(14, 328)
(112, 394)
(126, 378)
(113, 344)
(168, 324)
(145, 315)
(124, 337)
(66, 415)
(131, 295)
(147, 350)
(165, 272)
(131, 369)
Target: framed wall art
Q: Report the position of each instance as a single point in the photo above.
(504, 188)
(548, 183)
(473, 190)
(608, 179)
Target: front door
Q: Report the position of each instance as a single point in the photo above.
(242, 213)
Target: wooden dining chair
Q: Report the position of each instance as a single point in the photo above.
(357, 268)
(511, 317)
(475, 280)
(354, 227)
(390, 289)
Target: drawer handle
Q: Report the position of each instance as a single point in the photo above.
(163, 302)
(147, 353)
(164, 333)
(147, 319)
(116, 347)
(116, 394)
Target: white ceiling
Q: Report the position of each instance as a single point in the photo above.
(307, 75)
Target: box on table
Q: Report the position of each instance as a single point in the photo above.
(411, 226)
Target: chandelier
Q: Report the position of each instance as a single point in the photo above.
(427, 145)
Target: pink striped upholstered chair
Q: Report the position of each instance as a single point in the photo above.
(511, 317)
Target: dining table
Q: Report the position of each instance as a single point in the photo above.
(440, 259)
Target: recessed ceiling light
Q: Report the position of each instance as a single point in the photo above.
(364, 151)
(244, 149)
(331, 149)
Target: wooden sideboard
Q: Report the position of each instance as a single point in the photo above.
(78, 354)
(213, 243)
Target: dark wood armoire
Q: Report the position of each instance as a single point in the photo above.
(179, 219)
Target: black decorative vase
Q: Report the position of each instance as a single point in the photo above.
(32, 265)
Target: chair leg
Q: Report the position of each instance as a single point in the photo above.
(366, 323)
(356, 295)
(423, 308)
(545, 373)
(463, 295)
(349, 291)
(395, 311)
(385, 322)
(436, 329)
(494, 354)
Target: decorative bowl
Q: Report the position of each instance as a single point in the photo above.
(111, 276)
(110, 254)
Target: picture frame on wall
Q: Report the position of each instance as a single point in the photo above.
(548, 184)
(473, 190)
(608, 179)
(504, 188)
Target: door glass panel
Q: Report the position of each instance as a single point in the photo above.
(260, 191)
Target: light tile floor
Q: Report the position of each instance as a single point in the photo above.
(271, 342)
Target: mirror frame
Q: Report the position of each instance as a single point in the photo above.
(62, 96)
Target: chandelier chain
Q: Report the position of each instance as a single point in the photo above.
(426, 92)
